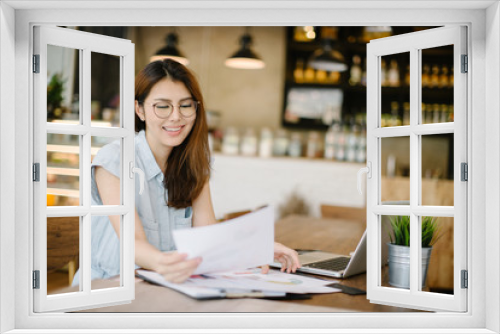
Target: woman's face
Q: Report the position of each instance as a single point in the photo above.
(171, 131)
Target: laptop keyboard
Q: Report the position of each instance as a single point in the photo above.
(336, 264)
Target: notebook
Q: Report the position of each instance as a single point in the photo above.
(335, 265)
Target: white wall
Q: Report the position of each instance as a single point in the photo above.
(243, 97)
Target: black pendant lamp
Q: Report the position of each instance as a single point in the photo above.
(245, 58)
(327, 58)
(170, 50)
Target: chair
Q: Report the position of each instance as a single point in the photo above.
(343, 212)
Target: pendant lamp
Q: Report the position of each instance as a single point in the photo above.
(245, 58)
(170, 51)
(327, 58)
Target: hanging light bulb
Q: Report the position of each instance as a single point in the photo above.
(170, 51)
(326, 58)
(245, 58)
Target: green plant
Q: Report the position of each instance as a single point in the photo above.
(401, 231)
(55, 89)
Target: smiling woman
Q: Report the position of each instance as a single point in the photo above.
(171, 147)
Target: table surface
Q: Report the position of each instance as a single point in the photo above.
(299, 232)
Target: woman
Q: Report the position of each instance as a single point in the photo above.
(172, 149)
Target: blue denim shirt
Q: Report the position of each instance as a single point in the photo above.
(158, 220)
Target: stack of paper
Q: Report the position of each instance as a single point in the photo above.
(247, 283)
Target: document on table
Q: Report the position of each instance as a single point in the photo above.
(240, 243)
(247, 283)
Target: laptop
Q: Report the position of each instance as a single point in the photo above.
(335, 265)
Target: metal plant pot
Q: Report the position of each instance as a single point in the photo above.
(399, 265)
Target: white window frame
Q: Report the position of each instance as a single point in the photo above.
(85, 44)
(483, 102)
(414, 44)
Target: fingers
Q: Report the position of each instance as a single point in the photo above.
(288, 258)
(175, 268)
(265, 269)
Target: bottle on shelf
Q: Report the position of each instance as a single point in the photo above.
(451, 116)
(361, 150)
(395, 119)
(309, 74)
(298, 72)
(355, 72)
(383, 73)
(407, 75)
(321, 76)
(437, 113)
(444, 80)
(333, 78)
(451, 81)
(352, 143)
(363, 73)
(313, 145)
(393, 74)
(444, 113)
(340, 145)
(434, 83)
(330, 143)
(426, 77)
(406, 113)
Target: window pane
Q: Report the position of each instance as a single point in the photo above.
(395, 82)
(437, 85)
(395, 169)
(437, 170)
(105, 90)
(63, 85)
(110, 160)
(437, 260)
(63, 170)
(106, 255)
(395, 251)
(63, 249)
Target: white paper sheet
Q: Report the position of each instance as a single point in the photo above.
(274, 280)
(240, 243)
(247, 281)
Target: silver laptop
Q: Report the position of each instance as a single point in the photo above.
(336, 265)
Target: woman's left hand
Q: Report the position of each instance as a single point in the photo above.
(288, 258)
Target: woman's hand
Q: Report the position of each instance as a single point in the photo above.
(288, 258)
(174, 267)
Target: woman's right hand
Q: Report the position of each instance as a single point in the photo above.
(174, 267)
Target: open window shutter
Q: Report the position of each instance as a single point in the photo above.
(427, 124)
(66, 137)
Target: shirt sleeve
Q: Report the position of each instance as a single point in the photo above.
(108, 157)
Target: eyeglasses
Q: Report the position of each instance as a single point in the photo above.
(164, 109)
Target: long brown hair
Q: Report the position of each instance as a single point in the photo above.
(188, 165)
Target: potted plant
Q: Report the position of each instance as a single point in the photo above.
(399, 248)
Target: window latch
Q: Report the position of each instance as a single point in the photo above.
(142, 177)
(368, 171)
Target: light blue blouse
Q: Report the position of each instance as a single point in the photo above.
(157, 218)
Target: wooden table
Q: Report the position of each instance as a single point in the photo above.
(335, 235)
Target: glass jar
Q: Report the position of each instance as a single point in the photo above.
(230, 142)
(280, 144)
(295, 147)
(249, 143)
(266, 143)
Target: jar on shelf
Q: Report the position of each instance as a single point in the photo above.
(314, 145)
(295, 146)
(231, 141)
(249, 143)
(330, 141)
(266, 143)
(280, 143)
